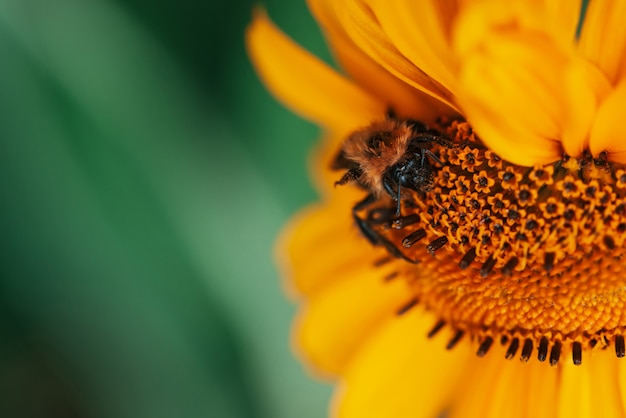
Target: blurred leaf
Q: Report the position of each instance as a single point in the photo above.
(129, 209)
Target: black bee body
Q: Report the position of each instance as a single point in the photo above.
(386, 158)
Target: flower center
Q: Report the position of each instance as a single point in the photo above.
(527, 256)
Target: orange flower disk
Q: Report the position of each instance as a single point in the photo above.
(490, 222)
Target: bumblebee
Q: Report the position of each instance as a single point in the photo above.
(385, 158)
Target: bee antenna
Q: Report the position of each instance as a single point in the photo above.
(398, 198)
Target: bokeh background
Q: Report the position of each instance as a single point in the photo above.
(144, 176)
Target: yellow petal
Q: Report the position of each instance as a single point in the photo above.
(507, 388)
(607, 378)
(620, 372)
(609, 130)
(585, 88)
(421, 32)
(363, 28)
(498, 389)
(304, 83)
(542, 386)
(509, 113)
(574, 391)
(511, 87)
(326, 230)
(504, 398)
(400, 373)
(603, 37)
(339, 318)
(403, 98)
(564, 16)
(479, 20)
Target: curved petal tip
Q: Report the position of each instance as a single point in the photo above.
(303, 82)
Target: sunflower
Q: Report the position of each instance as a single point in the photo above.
(467, 255)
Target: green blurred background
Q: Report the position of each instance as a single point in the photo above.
(144, 175)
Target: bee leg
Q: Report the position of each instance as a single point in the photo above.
(376, 239)
(394, 193)
(388, 185)
(434, 136)
(380, 216)
(364, 226)
(369, 199)
(431, 155)
(394, 251)
(371, 234)
(444, 141)
(398, 199)
(351, 175)
(341, 162)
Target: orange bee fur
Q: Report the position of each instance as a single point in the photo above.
(376, 148)
(391, 155)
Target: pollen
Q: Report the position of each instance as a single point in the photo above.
(528, 257)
